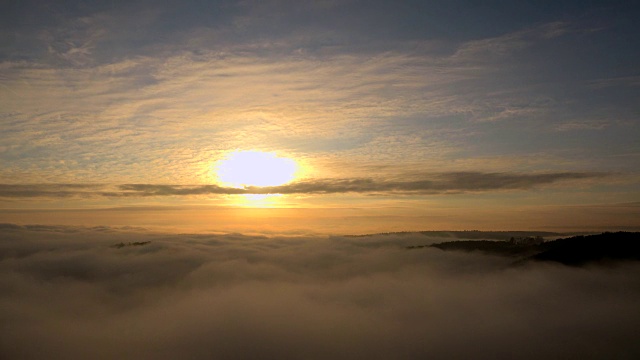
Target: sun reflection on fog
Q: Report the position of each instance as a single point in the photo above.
(258, 200)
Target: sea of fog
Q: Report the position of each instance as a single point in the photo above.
(126, 293)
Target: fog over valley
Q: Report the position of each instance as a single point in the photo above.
(129, 293)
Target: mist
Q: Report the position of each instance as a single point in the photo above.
(130, 293)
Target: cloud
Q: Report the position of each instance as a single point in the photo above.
(203, 296)
(47, 190)
(140, 110)
(499, 47)
(585, 125)
(66, 123)
(440, 183)
(435, 184)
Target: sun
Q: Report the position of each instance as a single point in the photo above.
(255, 168)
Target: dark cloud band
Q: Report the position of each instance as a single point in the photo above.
(453, 182)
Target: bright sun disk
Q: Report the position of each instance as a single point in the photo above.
(255, 168)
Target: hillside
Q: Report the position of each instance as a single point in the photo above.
(574, 251)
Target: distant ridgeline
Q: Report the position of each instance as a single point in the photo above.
(574, 251)
(471, 234)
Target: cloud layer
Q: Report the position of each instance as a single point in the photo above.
(68, 292)
(436, 184)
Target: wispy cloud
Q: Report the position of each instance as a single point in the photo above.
(142, 109)
(585, 125)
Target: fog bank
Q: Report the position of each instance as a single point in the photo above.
(68, 292)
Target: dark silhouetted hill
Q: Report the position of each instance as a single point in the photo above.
(574, 251)
(489, 246)
(579, 250)
(469, 234)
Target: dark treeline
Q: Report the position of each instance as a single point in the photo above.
(470, 234)
(136, 243)
(574, 251)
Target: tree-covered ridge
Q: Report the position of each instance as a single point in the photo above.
(467, 234)
(120, 245)
(575, 251)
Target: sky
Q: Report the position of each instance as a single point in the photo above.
(400, 115)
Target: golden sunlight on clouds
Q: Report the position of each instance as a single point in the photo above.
(255, 168)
